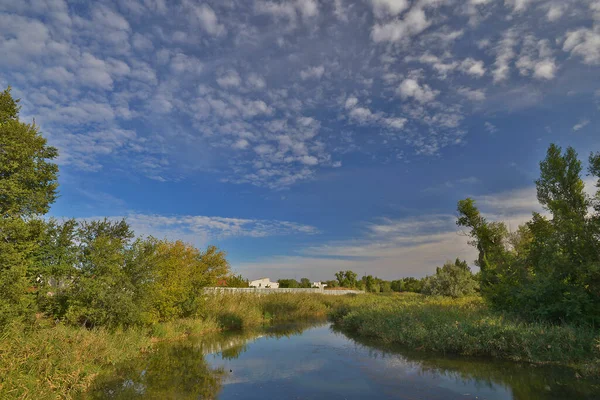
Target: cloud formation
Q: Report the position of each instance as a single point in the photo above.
(272, 86)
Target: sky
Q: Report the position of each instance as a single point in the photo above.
(304, 137)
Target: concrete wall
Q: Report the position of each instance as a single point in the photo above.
(280, 290)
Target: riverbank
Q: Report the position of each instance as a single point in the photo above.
(45, 360)
(467, 327)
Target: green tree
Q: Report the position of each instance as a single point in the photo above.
(411, 284)
(396, 285)
(28, 185)
(565, 250)
(452, 279)
(370, 284)
(490, 239)
(288, 283)
(346, 278)
(237, 281)
(53, 267)
(385, 287)
(102, 293)
(550, 268)
(305, 283)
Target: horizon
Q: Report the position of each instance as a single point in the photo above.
(305, 137)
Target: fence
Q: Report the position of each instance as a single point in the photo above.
(280, 290)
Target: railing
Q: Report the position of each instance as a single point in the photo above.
(280, 290)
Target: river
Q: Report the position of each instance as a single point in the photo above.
(314, 361)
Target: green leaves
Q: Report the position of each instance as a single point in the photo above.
(549, 268)
(453, 280)
(28, 183)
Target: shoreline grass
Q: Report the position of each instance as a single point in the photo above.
(467, 327)
(48, 361)
(45, 360)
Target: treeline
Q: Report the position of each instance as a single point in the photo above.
(90, 273)
(453, 279)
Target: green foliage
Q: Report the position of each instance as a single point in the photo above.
(94, 275)
(305, 283)
(101, 293)
(27, 188)
(464, 327)
(550, 268)
(411, 284)
(288, 283)
(370, 284)
(396, 285)
(453, 280)
(236, 281)
(346, 279)
(28, 181)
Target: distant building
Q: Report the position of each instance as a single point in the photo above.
(264, 283)
(319, 285)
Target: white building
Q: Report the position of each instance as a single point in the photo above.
(319, 285)
(263, 283)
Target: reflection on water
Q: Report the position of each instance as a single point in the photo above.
(313, 362)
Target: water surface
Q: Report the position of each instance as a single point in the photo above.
(316, 362)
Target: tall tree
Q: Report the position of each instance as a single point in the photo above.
(28, 185)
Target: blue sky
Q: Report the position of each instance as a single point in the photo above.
(305, 136)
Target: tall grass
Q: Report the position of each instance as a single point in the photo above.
(466, 327)
(50, 361)
(57, 362)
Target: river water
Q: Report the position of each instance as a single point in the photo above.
(313, 361)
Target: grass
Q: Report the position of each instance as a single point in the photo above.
(466, 327)
(50, 361)
(56, 361)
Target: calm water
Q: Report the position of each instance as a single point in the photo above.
(315, 362)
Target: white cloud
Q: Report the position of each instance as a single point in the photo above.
(580, 125)
(389, 7)
(141, 42)
(410, 88)
(207, 18)
(555, 11)
(102, 15)
(504, 55)
(309, 160)
(351, 102)
(473, 67)
(58, 74)
(472, 94)
(83, 151)
(413, 23)
(362, 115)
(241, 144)
(229, 79)
(264, 149)
(256, 81)
(312, 72)
(182, 63)
(544, 69)
(395, 123)
(308, 8)
(199, 229)
(536, 57)
(584, 43)
(421, 243)
(491, 128)
(518, 5)
(21, 39)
